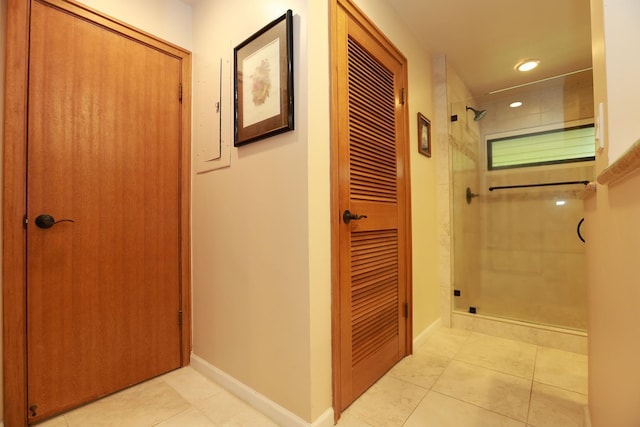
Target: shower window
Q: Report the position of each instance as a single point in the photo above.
(571, 144)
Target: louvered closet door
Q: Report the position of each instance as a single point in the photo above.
(373, 257)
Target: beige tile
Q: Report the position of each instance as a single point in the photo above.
(388, 403)
(462, 320)
(191, 417)
(502, 393)
(348, 420)
(563, 341)
(437, 410)
(500, 354)
(191, 385)
(561, 369)
(221, 408)
(516, 261)
(553, 407)
(146, 404)
(224, 409)
(502, 329)
(249, 418)
(494, 326)
(444, 342)
(54, 422)
(422, 369)
(197, 389)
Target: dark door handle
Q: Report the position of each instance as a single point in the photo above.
(347, 217)
(47, 221)
(578, 230)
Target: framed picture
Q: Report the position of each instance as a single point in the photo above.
(424, 135)
(263, 82)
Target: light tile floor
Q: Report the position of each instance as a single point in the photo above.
(457, 378)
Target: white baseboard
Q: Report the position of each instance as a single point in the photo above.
(282, 416)
(422, 337)
(264, 405)
(587, 416)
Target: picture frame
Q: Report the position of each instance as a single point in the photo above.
(263, 82)
(424, 135)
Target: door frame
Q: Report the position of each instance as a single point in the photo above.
(336, 340)
(14, 194)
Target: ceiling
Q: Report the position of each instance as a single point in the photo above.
(484, 40)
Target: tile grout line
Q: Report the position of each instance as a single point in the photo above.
(454, 358)
(430, 388)
(562, 388)
(191, 404)
(493, 370)
(479, 407)
(533, 375)
(546, 383)
(414, 409)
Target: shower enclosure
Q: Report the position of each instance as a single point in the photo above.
(517, 241)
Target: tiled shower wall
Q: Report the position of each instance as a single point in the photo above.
(532, 261)
(471, 263)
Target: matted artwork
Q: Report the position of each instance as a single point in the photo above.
(263, 82)
(424, 135)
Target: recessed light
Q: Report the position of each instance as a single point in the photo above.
(528, 65)
(560, 202)
(516, 104)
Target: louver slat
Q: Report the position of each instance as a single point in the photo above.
(371, 129)
(374, 293)
(373, 177)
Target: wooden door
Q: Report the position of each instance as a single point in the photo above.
(373, 293)
(104, 151)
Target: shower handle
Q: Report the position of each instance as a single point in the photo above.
(578, 230)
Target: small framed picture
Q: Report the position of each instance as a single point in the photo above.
(424, 135)
(263, 82)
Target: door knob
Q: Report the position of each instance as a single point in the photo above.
(47, 221)
(347, 217)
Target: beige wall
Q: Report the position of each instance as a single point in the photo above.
(613, 299)
(261, 253)
(426, 294)
(319, 228)
(168, 19)
(612, 225)
(599, 82)
(621, 30)
(262, 249)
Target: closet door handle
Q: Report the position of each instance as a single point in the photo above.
(347, 217)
